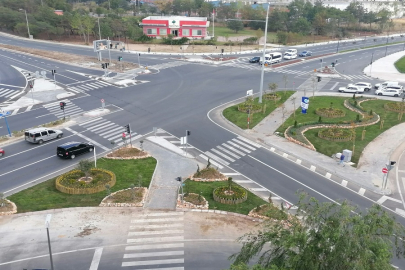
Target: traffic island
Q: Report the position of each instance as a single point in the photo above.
(130, 197)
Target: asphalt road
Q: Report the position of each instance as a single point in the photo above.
(176, 99)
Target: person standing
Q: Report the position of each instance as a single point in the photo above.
(342, 158)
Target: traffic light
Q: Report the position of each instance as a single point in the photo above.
(319, 79)
(53, 72)
(62, 105)
(103, 66)
(188, 133)
(128, 129)
(178, 178)
(222, 50)
(119, 58)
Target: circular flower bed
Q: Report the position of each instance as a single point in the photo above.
(75, 182)
(208, 174)
(330, 112)
(254, 108)
(395, 106)
(335, 134)
(193, 201)
(272, 96)
(234, 195)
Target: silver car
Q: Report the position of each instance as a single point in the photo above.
(40, 135)
(363, 86)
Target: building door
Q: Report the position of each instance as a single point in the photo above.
(175, 33)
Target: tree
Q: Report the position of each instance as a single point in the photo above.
(326, 236)
(164, 6)
(235, 25)
(85, 166)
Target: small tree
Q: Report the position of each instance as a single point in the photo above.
(230, 183)
(285, 79)
(85, 166)
(344, 236)
(139, 180)
(273, 87)
(235, 25)
(208, 163)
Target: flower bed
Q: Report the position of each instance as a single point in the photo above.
(268, 211)
(395, 107)
(335, 134)
(330, 112)
(254, 108)
(208, 175)
(8, 208)
(272, 96)
(192, 200)
(234, 196)
(70, 183)
(126, 198)
(128, 152)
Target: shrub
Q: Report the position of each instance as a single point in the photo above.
(144, 38)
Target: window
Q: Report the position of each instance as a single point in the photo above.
(186, 32)
(44, 133)
(37, 134)
(152, 31)
(51, 131)
(197, 32)
(163, 31)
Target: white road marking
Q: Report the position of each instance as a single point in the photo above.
(361, 191)
(334, 86)
(88, 139)
(96, 259)
(344, 183)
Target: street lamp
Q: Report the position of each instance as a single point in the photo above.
(264, 49)
(47, 223)
(26, 18)
(99, 32)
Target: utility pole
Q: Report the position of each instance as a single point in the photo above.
(264, 53)
(47, 223)
(99, 32)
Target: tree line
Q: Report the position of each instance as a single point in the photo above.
(119, 18)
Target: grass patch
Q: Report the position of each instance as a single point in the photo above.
(240, 118)
(45, 196)
(206, 189)
(133, 195)
(329, 148)
(400, 65)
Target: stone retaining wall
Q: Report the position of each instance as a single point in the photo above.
(189, 205)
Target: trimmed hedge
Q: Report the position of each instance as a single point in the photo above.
(239, 195)
(67, 183)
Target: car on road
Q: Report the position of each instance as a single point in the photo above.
(2, 152)
(305, 53)
(289, 51)
(40, 135)
(255, 59)
(385, 84)
(290, 56)
(364, 86)
(389, 91)
(350, 88)
(73, 149)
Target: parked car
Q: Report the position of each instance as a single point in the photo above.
(385, 84)
(73, 149)
(2, 152)
(305, 53)
(39, 135)
(290, 55)
(363, 86)
(255, 59)
(350, 88)
(389, 91)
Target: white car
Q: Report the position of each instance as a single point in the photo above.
(389, 91)
(290, 55)
(351, 88)
(363, 86)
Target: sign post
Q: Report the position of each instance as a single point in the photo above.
(102, 103)
(304, 104)
(3, 113)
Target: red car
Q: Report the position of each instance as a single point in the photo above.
(2, 153)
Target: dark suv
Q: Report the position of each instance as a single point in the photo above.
(72, 149)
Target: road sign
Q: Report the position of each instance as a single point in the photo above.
(43, 73)
(102, 100)
(2, 113)
(384, 170)
(249, 92)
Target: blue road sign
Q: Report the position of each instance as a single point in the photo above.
(4, 114)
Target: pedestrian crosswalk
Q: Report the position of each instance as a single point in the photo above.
(168, 65)
(155, 241)
(8, 93)
(70, 108)
(108, 130)
(357, 77)
(89, 86)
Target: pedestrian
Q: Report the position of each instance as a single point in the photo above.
(342, 158)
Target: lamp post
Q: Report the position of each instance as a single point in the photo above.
(99, 32)
(47, 223)
(26, 18)
(264, 48)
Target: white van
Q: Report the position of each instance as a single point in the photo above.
(276, 57)
(39, 135)
(385, 85)
(267, 57)
(291, 51)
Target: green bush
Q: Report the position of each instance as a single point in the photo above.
(170, 41)
(144, 38)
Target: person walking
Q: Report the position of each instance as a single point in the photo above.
(342, 158)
